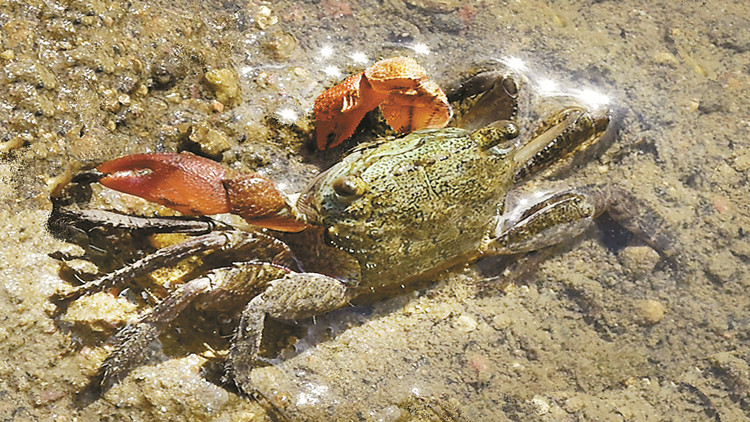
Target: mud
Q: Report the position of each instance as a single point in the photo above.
(604, 329)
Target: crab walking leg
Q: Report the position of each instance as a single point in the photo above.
(563, 215)
(175, 253)
(234, 283)
(63, 219)
(131, 341)
(296, 296)
(559, 138)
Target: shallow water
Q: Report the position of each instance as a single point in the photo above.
(604, 330)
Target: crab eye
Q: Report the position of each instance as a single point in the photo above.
(349, 186)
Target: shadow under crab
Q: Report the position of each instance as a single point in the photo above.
(394, 211)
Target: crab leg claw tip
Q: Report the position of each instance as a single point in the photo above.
(87, 177)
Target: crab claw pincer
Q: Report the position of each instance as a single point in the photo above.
(195, 185)
(408, 99)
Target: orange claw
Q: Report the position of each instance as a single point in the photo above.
(195, 185)
(187, 183)
(423, 107)
(408, 99)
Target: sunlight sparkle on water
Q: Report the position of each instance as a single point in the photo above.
(332, 71)
(246, 70)
(421, 48)
(593, 99)
(514, 63)
(359, 57)
(547, 85)
(286, 115)
(326, 51)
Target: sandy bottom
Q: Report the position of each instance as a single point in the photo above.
(605, 329)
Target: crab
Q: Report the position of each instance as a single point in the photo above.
(398, 209)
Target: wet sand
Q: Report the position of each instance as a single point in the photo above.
(605, 329)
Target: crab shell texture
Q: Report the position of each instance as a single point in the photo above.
(408, 206)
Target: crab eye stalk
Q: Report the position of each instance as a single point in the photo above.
(496, 134)
(349, 187)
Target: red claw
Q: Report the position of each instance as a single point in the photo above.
(195, 185)
(408, 99)
(184, 182)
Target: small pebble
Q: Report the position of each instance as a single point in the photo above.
(723, 266)
(225, 84)
(264, 17)
(640, 260)
(465, 323)
(282, 45)
(100, 312)
(212, 142)
(502, 321)
(742, 161)
(540, 405)
(649, 312)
